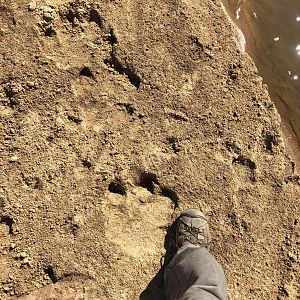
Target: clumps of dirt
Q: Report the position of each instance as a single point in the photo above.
(12, 89)
(234, 71)
(76, 12)
(175, 144)
(47, 24)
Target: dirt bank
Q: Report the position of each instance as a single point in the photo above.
(113, 113)
(258, 23)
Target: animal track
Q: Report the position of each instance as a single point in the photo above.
(270, 141)
(123, 69)
(74, 119)
(114, 62)
(151, 183)
(117, 187)
(167, 192)
(7, 221)
(49, 271)
(96, 18)
(129, 108)
(244, 161)
(148, 181)
(86, 163)
(232, 146)
(87, 72)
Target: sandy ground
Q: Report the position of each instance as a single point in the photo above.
(254, 20)
(117, 115)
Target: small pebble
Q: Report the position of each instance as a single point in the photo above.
(14, 158)
(32, 6)
(48, 16)
(30, 84)
(6, 289)
(23, 254)
(292, 256)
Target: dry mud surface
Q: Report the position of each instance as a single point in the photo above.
(115, 116)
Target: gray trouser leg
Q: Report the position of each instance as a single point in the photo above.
(194, 274)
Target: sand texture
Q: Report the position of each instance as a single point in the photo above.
(115, 116)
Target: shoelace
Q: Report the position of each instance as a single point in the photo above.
(194, 231)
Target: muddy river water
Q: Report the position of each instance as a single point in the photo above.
(272, 32)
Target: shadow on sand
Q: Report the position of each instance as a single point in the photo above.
(155, 289)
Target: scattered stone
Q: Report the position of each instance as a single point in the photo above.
(32, 6)
(26, 262)
(292, 256)
(48, 16)
(12, 246)
(6, 289)
(14, 158)
(30, 84)
(23, 255)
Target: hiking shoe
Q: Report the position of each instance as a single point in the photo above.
(192, 227)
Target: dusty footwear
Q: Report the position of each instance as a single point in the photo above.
(192, 227)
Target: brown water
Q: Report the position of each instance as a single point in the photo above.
(272, 32)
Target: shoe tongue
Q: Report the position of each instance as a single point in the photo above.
(193, 222)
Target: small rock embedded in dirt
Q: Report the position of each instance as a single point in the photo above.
(292, 256)
(48, 16)
(23, 255)
(14, 158)
(26, 262)
(32, 6)
(30, 84)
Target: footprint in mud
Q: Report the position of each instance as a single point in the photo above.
(151, 183)
(137, 217)
(117, 187)
(249, 165)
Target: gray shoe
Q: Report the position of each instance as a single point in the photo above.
(192, 227)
